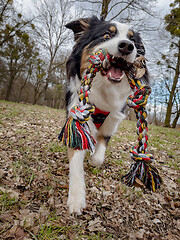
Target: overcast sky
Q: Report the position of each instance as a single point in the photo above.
(163, 5)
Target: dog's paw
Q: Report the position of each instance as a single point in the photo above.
(98, 157)
(76, 204)
(96, 160)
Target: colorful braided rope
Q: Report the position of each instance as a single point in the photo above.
(76, 134)
(141, 168)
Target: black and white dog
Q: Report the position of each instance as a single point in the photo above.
(109, 91)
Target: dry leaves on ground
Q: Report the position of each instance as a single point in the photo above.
(34, 183)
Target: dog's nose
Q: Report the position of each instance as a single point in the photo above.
(125, 47)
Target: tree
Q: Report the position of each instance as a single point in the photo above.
(172, 22)
(20, 61)
(28, 73)
(5, 6)
(112, 9)
(50, 31)
(11, 22)
(38, 79)
(16, 48)
(16, 54)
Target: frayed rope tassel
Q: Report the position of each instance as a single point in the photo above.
(146, 173)
(141, 173)
(76, 135)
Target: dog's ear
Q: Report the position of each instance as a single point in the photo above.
(140, 52)
(78, 27)
(139, 44)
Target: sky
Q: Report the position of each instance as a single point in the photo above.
(25, 5)
(163, 5)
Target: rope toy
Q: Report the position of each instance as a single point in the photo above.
(141, 168)
(76, 134)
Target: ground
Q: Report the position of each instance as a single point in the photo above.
(34, 182)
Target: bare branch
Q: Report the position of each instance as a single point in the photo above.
(122, 10)
(172, 67)
(117, 3)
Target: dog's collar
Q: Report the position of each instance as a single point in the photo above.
(99, 117)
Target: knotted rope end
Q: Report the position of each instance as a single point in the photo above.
(144, 175)
(76, 135)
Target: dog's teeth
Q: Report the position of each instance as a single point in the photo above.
(109, 74)
(122, 75)
(104, 65)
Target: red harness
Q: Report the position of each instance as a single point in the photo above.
(99, 117)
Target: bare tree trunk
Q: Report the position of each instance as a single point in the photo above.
(35, 98)
(155, 115)
(37, 95)
(48, 79)
(176, 119)
(37, 92)
(170, 102)
(9, 89)
(11, 80)
(19, 95)
(20, 92)
(132, 115)
(104, 10)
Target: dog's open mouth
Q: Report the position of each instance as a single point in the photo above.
(116, 71)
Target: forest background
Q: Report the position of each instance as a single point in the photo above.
(34, 47)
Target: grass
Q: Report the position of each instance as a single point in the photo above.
(54, 229)
(33, 158)
(6, 202)
(162, 139)
(178, 180)
(166, 140)
(164, 136)
(56, 147)
(28, 173)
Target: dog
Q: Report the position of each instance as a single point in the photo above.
(109, 91)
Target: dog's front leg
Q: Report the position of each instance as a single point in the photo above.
(104, 134)
(98, 156)
(77, 195)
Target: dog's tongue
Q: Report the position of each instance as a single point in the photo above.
(114, 72)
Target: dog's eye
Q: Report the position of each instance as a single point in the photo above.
(132, 39)
(107, 36)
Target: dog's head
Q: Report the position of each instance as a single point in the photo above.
(91, 34)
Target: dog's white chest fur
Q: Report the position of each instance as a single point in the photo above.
(107, 96)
